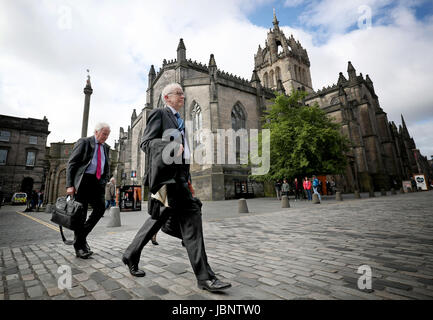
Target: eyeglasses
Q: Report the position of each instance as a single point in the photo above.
(177, 93)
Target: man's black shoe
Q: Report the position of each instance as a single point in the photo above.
(213, 285)
(88, 249)
(133, 268)
(155, 243)
(80, 253)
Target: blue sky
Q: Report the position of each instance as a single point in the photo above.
(47, 45)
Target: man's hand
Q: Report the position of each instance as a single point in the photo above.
(179, 153)
(70, 191)
(191, 189)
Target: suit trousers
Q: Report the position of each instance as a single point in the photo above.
(91, 191)
(186, 223)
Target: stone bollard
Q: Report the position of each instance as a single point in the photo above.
(393, 192)
(285, 202)
(383, 192)
(242, 206)
(357, 194)
(315, 198)
(48, 208)
(114, 217)
(371, 194)
(338, 196)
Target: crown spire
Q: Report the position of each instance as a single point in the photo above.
(275, 21)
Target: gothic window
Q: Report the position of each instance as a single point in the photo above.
(160, 102)
(278, 73)
(335, 100)
(265, 80)
(296, 72)
(197, 122)
(238, 122)
(238, 118)
(271, 78)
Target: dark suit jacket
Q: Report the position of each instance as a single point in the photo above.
(161, 128)
(80, 159)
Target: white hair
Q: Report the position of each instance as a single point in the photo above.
(102, 125)
(169, 89)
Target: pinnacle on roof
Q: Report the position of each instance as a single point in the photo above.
(212, 62)
(181, 45)
(152, 70)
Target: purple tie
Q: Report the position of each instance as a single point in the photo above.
(98, 165)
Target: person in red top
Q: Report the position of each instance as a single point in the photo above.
(307, 187)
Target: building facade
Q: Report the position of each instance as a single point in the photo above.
(380, 155)
(22, 154)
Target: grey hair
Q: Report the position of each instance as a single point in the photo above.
(169, 89)
(102, 125)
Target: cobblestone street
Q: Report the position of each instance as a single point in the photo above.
(309, 251)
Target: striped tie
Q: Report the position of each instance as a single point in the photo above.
(180, 123)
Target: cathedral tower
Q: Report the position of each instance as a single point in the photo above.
(283, 60)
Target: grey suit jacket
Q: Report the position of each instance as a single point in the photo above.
(80, 159)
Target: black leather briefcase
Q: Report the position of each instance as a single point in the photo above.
(67, 213)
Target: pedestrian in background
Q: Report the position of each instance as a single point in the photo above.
(278, 189)
(307, 188)
(297, 189)
(316, 187)
(110, 194)
(285, 188)
(328, 188)
(40, 199)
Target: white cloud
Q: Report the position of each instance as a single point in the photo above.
(48, 45)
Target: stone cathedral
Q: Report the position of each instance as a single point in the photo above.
(381, 155)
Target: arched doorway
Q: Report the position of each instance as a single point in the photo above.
(27, 185)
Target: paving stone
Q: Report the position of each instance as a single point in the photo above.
(268, 281)
(158, 290)
(76, 292)
(143, 293)
(35, 292)
(101, 295)
(54, 291)
(179, 290)
(31, 283)
(127, 283)
(90, 285)
(98, 277)
(121, 295)
(110, 285)
(17, 296)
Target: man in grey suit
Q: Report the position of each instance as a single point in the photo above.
(86, 175)
(172, 203)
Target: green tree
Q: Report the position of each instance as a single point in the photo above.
(304, 140)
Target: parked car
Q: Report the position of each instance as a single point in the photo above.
(19, 198)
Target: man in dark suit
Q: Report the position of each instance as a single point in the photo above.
(87, 173)
(172, 202)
